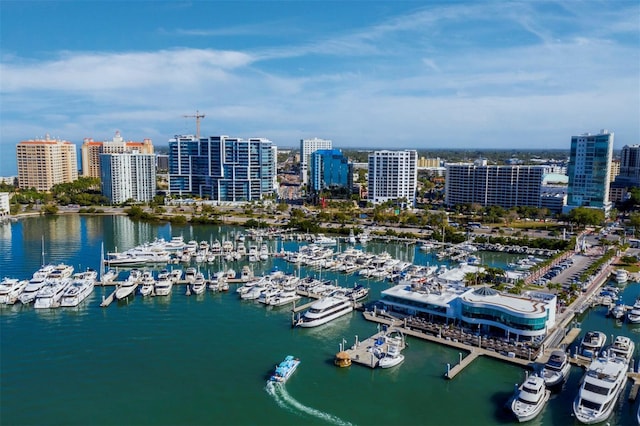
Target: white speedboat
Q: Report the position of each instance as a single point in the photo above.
(622, 347)
(81, 287)
(285, 369)
(622, 276)
(325, 310)
(50, 294)
(10, 289)
(633, 316)
(110, 275)
(147, 284)
(530, 399)
(199, 284)
(557, 369)
(601, 386)
(128, 288)
(392, 356)
(592, 343)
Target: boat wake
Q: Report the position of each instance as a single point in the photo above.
(286, 401)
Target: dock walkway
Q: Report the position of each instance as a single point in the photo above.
(367, 352)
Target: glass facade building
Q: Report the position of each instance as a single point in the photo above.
(329, 168)
(222, 168)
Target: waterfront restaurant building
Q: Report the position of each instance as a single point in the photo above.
(484, 309)
(222, 168)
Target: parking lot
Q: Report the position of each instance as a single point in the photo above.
(568, 272)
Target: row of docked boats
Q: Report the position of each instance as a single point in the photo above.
(601, 385)
(51, 286)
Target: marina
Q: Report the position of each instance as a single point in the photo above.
(136, 320)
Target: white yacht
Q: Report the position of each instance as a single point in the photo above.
(622, 276)
(50, 294)
(190, 274)
(557, 368)
(60, 271)
(34, 285)
(10, 289)
(530, 399)
(175, 275)
(633, 316)
(323, 240)
(110, 275)
(592, 343)
(601, 386)
(199, 284)
(352, 238)
(392, 356)
(325, 310)
(623, 347)
(164, 283)
(81, 287)
(147, 284)
(128, 288)
(284, 297)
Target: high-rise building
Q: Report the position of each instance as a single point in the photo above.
(307, 146)
(628, 175)
(393, 176)
(222, 168)
(329, 168)
(91, 151)
(589, 170)
(492, 185)
(43, 163)
(128, 176)
(5, 207)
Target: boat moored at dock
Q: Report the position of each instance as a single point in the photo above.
(81, 287)
(530, 399)
(10, 289)
(592, 343)
(557, 368)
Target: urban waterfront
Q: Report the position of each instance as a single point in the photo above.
(205, 359)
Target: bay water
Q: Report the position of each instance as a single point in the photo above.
(205, 360)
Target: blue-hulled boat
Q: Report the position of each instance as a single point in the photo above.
(285, 369)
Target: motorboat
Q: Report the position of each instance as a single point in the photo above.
(352, 238)
(190, 274)
(633, 315)
(284, 297)
(323, 240)
(392, 356)
(175, 275)
(325, 310)
(147, 284)
(618, 310)
(557, 369)
(50, 294)
(592, 343)
(602, 384)
(357, 293)
(128, 288)
(264, 252)
(530, 398)
(285, 369)
(622, 276)
(81, 287)
(60, 271)
(622, 347)
(30, 291)
(110, 275)
(10, 289)
(199, 284)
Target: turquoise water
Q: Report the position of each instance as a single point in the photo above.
(205, 359)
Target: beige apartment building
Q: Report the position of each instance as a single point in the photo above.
(91, 150)
(43, 163)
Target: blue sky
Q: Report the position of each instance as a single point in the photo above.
(381, 74)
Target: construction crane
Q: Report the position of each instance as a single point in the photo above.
(198, 116)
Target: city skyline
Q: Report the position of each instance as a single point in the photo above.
(414, 74)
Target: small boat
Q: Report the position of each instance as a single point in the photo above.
(530, 399)
(557, 368)
(393, 356)
(622, 347)
(633, 316)
(285, 369)
(592, 343)
(325, 310)
(602, 384)
(10, 289)
(357, 293)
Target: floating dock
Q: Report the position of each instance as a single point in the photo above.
(367, 351)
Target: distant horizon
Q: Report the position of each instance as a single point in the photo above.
(505, 74)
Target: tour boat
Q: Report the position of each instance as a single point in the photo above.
(557, 368)
(530, 399)
(633, 316)
(50, 294)
(622, 347)
(592, 342)
(81, 287)
(602, 384)
(128, 288)
(325, 310)
(10, 289)
(285, 369)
